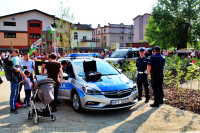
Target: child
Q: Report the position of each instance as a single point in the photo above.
(27, 89)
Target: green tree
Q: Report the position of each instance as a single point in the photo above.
(105, 45)
(65, 27)
(91, 47)
(11, 44)
(131, 44)
(174, 23)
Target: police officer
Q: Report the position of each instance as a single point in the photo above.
(155, 68)
(142, 76)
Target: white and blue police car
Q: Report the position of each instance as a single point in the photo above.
(113, 91)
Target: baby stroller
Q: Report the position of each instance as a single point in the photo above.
(45, 91)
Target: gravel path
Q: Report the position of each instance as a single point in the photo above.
(140, 118)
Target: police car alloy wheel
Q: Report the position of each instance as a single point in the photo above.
(76, 103)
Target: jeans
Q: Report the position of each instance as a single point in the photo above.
(14, 88)
(27, 96)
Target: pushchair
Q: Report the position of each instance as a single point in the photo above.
(44, 89)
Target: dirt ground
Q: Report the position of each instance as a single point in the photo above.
(140, 119)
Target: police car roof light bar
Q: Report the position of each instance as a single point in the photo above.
(83, 55)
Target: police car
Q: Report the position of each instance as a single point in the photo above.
(124, 54)
(113, 91)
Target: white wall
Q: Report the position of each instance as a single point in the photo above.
(21, 21)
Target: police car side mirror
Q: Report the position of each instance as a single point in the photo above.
(65, 76)
(120, 70)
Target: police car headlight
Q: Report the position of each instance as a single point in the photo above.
(91, 91)
(134, 88)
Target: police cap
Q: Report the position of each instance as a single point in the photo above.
(142, 49)
(157, 48)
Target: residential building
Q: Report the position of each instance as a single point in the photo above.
(140, 23)
(83, 35)
(112, 33)
(23, 27)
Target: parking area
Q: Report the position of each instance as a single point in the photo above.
(140, 118)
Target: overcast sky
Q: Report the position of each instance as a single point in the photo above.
(85, 11)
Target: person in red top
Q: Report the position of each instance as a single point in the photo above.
(53, 69)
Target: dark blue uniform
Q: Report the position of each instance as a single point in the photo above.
(142, 77)
(157, 63)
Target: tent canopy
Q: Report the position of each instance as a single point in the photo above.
(184, 50)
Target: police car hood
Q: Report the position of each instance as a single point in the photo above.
(113, 83)
(113, 59)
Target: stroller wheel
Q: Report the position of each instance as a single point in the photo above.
(53, 117)
(36, 120)
(30, 116)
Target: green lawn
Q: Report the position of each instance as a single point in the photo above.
(2, 73)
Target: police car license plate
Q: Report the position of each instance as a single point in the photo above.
(121, 101)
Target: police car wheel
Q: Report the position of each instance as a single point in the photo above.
(76, 102)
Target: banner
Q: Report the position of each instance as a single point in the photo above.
(31, 51)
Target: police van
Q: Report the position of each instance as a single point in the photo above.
(124, 54)
(112, 90)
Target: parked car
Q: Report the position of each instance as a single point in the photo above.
(113, 91)
(125, 54)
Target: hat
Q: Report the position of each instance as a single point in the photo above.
(142, 49)
(157, 48)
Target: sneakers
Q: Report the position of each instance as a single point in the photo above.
(21, 103)
(24, 106)
(18, 105)
(14, 111)
(28, 104)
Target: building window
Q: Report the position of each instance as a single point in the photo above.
(122, 37)
(96, 38)
(104, 30)
(104, 37)
(94, 31)
(122, 30)
(129, 30)
(9, 35)
(98, 32)
(34, 35)
(9, 23)
(121, 45)
(75, 35)
(84, 37)
(129, 38)
(34, 25)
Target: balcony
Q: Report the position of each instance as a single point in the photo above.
(93, 40)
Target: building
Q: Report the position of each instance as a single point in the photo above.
(140, 23)
(83, 36)
(25, 27)
(112, 33)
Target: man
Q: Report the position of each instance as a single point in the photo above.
(53, 69)
(146, 53)
(64, 66)
(10, 72)
(27, 64)
(155, 68)
(142, 76)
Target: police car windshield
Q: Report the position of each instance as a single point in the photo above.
(118, 54)
(102, 66)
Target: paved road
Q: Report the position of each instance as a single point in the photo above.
(140, 118)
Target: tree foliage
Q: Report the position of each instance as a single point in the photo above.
(174, 23)
(65, 27)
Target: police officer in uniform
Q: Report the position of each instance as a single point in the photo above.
(142, 75)
(155, 68)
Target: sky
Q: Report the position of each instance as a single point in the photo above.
(85, 11)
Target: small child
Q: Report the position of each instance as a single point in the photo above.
(27, 89)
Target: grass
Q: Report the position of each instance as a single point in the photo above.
(2, 73)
